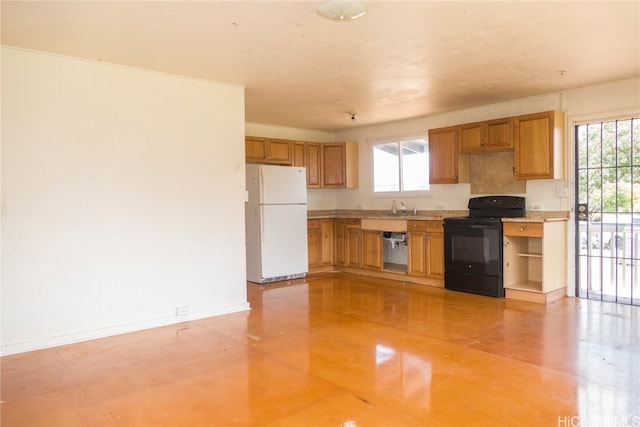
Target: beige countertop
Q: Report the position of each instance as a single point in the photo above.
(373, 214)
(534, 219)
(428, 215)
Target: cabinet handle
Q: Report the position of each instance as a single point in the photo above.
(415, 225)
(522, 228)
(426, 237)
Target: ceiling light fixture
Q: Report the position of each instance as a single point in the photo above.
(346, 10)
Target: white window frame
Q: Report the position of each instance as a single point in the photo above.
(395, 194)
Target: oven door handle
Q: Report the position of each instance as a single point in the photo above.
(482, 226)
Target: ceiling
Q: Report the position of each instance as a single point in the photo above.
(402, 60)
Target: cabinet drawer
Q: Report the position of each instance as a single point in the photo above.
(313, 223)
(416, 225)
(434, 226)
(522, 229)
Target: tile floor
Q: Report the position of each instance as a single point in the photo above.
(343, 350)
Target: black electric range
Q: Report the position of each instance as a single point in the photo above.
(473, 245)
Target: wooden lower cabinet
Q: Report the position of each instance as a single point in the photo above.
(341, 241)
(425, 255)
(348, 242)
(321, 242)
(354, 246)
(435, 255)
(372, 255)
(341, 244)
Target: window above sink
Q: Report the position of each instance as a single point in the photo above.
(400, 165)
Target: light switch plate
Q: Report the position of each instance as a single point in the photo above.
(562, 191)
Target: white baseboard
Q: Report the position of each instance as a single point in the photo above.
(55, 341)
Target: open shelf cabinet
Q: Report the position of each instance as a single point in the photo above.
(535, 260)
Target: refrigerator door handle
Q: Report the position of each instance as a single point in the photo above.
(261, 181)
(260, 213)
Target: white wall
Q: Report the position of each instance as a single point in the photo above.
(122, 199)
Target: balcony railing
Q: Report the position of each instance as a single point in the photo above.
(609, 261)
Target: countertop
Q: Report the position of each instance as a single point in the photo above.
(378, 214)
(429, 215)
(534, 219)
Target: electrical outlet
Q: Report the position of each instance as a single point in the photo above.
(182, 310)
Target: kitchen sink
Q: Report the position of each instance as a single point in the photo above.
(392, 223)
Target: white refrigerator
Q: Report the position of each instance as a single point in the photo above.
(276, 223)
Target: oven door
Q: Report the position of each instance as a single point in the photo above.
(473, 247)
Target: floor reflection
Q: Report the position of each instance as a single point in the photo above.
(334, 350)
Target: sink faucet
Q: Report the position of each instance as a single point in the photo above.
(403, 208)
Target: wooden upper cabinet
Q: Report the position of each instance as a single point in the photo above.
(500, 134)
(313, 164)
(329, 165)
(333, 167)
(299, 154)
(471, 137)
(255, 149)
(491, 135)
(339, 165)
(539, 145)
(443, 155)
(268, 150)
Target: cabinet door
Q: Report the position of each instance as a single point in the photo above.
(268, 150)
(354, 236)
(299, 154)
(471, 137)
(255, 149)
(499, 134)
(435, 255)
(443, 156)
(341, 241)
(491, 135)
(372, 249)
(416, 256)
(327, 242)
(332, 163)
(279, 151)
(538, 145)
(314, 243)
(313, 164)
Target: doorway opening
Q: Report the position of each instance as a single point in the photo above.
(608, 211)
